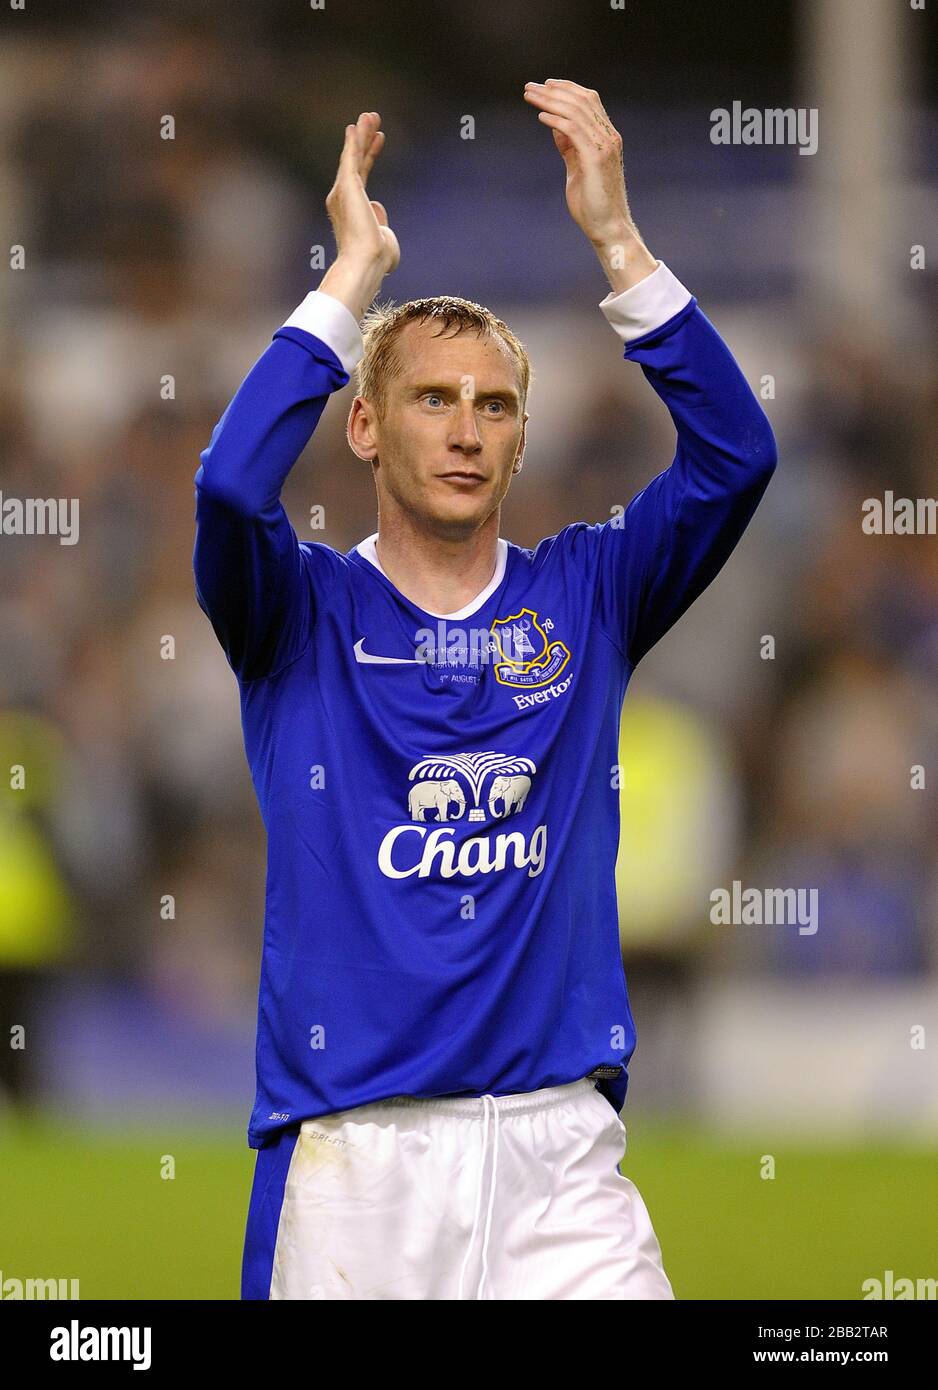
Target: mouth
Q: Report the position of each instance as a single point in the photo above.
(462, 476)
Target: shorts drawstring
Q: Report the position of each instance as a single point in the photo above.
(488, 1217)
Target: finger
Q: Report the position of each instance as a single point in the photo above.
(368, 122)
(348, 162)
(541, 92)
(352, 164)
(359, 135)
(363, 135)
(368, 128)
(374, 150)
(562, 104)
(587, 95)
(564, 82)
(562, 124)
(560, 86)
(571, 99)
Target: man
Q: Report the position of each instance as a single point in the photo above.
(431, 723)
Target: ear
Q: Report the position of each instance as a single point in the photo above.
(359, 431)
(518, 464)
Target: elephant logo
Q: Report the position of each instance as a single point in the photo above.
(436, 795)
(511, 792)
(528, 656)
(440, 786)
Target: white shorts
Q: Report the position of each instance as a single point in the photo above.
(506, 1197)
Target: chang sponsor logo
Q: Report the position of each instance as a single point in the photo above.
(479, 854)
(474, 786)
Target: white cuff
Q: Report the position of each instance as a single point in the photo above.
(647, 305)
(328, 318)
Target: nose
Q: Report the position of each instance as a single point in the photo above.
(465, 432)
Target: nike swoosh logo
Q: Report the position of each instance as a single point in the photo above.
(367, 659)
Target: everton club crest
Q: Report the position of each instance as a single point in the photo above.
(527, 655)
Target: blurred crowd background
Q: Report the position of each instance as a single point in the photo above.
(792, 766)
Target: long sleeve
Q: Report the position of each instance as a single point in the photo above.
(678, 532)
(257, 584)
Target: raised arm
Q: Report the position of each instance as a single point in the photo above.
(677, 534)
(253, 579)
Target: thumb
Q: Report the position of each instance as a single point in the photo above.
(565, 146)
(379, 211)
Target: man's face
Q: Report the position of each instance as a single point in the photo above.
(452, 430)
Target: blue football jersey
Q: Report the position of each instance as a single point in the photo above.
(439, 792)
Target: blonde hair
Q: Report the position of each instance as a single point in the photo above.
(382, 325)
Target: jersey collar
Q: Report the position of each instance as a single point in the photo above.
(367, 549)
